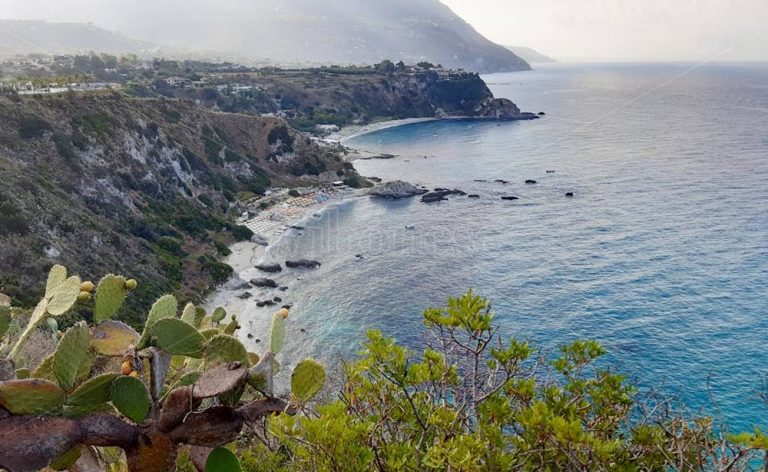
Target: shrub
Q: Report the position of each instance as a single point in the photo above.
(471, 401)
(32, 127)
(184, 380)
(242, 233)
(171, 245)
(294, 193)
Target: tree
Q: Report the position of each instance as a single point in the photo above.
(385, 66)
(183, 383)
(471, 401)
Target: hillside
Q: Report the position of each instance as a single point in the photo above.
(530, 55)
(312, 31)
(149, 188)
(40, 37)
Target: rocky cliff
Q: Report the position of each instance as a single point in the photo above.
(148, 188)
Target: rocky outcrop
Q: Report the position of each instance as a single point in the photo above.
(440, 194)
(396, 190)
(302, 264)
(270, 268)
(264, 283)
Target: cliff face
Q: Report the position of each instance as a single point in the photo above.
(144, 187)
(346, 96)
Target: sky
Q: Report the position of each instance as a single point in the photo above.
(625, 30)
(569, 30)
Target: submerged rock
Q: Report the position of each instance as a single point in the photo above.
(569, 194)
(245, 296)
(501, 181)
(474, 195)
(302, 264)
(265, 283)
(264, 303)
(270, 268)
(510, 198)
(531, 182)
(396, 190)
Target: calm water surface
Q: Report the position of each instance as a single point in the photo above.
(662, 255)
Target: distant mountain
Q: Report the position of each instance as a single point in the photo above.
(25, 37)
(316, 31)
(530, 55)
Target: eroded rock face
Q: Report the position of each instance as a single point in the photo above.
(396, 190)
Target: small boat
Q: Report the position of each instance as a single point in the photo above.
(410, 227)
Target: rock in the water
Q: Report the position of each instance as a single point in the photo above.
(283, 289)
(531, 182)
(277, 300)
(541, 113)
(569, 194)
(298, 228)
(250, 336)
(474, 195)
(265, 283)
(501, 181)
(550, 171)
(303, 330)
(440, 194)
(264, 303)
(245, 296)
(302, 264)
(288, 307)
(270, 268)
(260, 240)
(396, 190)
(510, 198)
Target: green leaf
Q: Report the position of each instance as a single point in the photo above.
(56, 277)
(307, 380)
(177, 337)
(71, 355)
(277, 335)
(165, 307)
(131, 398)
(222, 460)
(225, 348)
(31, 397)
(110, 296)
(64, 296)
(113, 338)
(95, 391)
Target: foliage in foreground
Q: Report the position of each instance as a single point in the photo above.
(472, 402)
(111, 397)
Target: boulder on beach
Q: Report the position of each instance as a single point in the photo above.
(260, 240)
(302, 264)
(264, 283)
(270, 268)
(396, 190)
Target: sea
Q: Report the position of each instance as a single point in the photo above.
(661, 254)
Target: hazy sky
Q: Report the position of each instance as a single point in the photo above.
(566, 29)
(625, 29)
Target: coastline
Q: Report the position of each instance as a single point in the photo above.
(348, 132)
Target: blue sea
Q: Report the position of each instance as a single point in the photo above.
(661, 255)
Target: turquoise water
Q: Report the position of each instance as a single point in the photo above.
(662, 254)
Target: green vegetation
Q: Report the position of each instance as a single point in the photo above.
(31, 127)
(469, 401)
(118, 398)
(294, 193)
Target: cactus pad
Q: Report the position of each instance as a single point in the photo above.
(68, 459)
(45, 370)
(64, 296)
(56, 277)
(95, 391)
(188, 314)
(218, 315)
(200, 314)
(31, 397)
(165, 307)
(109, 297)
(232, 327)
(131, 397)
(5, 320)
(307, 380)
(177, 337)
(113, 338)
(277, 335)
(222, 459)
(224, 348)
(208, 334)
(71, 355)
(34, 322)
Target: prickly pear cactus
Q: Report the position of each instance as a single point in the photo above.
(307, 380)
(109, 297)
(131, 397)
(176, 337)
(205, 385)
